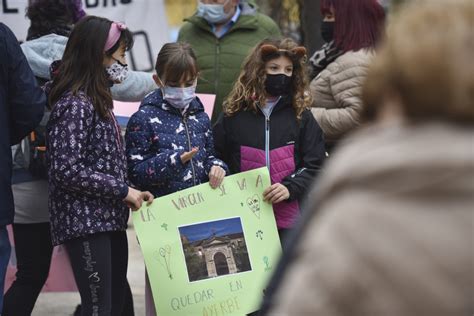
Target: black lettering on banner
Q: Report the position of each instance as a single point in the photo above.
(147, 49)
(92, 3)
(105, 3)
(6, 9)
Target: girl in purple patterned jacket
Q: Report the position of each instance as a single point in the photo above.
(89, 197)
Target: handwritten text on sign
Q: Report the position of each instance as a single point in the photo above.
(210, 252)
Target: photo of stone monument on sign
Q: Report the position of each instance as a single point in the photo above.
(213, 249)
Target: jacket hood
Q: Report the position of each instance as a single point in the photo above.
(155, 98)
(247, 7)
(41, 52)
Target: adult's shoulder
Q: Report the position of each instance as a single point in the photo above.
(5, 31)
(9, 47)
(350, 64)
(268, 25)
(191, 27)
(360, 58)
(185, 29)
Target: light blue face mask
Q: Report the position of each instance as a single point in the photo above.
(179, 98)
(212, 13)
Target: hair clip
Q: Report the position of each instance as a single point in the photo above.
(120, 25)
(114, 34)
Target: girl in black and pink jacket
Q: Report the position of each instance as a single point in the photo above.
(266, 122)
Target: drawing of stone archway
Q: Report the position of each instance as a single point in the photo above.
(220, 261)
(219, 258)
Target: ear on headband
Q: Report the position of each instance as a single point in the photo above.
(299, 51)
(269, 49)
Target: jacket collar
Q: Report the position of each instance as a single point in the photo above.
(248, 19)
(285, 101)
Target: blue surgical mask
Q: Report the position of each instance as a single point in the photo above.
(212, 13)
(179, 98)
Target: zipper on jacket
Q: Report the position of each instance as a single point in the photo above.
(216, 64)
(267, 141)
(267, 135)
(185, 121)
(267, 132)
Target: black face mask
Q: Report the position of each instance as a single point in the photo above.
(327, 31)
(277, 85)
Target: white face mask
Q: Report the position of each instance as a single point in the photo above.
(212, 13)
(117, 72)
(179, 98)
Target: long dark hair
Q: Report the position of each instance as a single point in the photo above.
(82, 67)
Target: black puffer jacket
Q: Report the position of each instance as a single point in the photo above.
(292, 149)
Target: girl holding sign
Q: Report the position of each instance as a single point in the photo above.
(266, 121)
(169, 140)
(88, 190)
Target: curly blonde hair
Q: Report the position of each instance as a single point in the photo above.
(249, 90)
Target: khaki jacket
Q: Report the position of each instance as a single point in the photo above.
(336, 94)
(393, 232)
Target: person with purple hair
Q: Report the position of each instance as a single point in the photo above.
(351, 30)
(51, 24)
(53, 17)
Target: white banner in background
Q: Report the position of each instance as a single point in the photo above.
(145, 18)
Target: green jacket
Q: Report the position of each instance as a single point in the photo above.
(220, 59)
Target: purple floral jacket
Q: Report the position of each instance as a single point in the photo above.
(87, 171)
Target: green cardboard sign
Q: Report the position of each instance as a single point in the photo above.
(210, 252)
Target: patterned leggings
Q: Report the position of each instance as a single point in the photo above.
(99, 263)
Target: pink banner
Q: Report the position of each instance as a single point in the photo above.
(60, 277)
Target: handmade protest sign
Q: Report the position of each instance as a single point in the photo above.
(210, 252)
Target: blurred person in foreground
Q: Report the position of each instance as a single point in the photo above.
(51, 23)
(390, 225)
(22, 105)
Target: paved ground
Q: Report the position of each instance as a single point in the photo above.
(63, 304)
